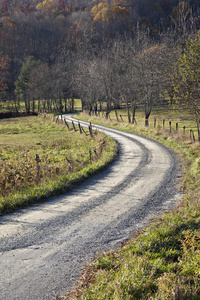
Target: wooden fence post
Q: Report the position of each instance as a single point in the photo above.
(116, 116)
(66, 124)
(79, 127)
(73, 126)
(155, 123)
(84, 131)
(90, 128)
(176, 126)
(192, 135)
(90, 153)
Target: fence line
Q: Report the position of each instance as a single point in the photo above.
(63, 120)
(189, 133)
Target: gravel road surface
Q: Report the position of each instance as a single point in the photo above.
(43, 248)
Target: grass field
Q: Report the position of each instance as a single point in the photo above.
(163, 260)
(39, 158)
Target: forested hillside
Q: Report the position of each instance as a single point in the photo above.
(109, 52)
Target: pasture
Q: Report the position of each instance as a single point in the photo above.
(39, 159)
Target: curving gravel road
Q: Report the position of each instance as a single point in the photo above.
(43, 248)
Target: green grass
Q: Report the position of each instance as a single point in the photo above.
(65, 158)
(163, 260)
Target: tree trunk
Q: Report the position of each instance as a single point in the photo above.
(198, 131)
(38, 105)
(48, 105)
(147, 111)
(107, 109)
(72, 103)
(60, 104)
(82, 104)
(128, 111)
(33, 106)
(147, 115)
(28, 106)
(65, 101)
(133, 107)
(16, 105)
(90, 109)
(95, 109)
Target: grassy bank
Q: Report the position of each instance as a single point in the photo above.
(40, 159)
(163, 260)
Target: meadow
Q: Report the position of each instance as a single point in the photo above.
(40, 158)
(162, 261)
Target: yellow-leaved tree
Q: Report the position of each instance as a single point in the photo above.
(121, 12)
(184, 80)
(47, 6)
(101, 12)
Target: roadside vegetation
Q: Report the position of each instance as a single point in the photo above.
(40, 159)
(162, 261)
(109, 55)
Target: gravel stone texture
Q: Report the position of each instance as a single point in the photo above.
(44, 248)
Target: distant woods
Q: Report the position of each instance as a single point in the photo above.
(108, 54)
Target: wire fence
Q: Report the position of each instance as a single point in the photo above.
(185, 129)
(171, 128)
